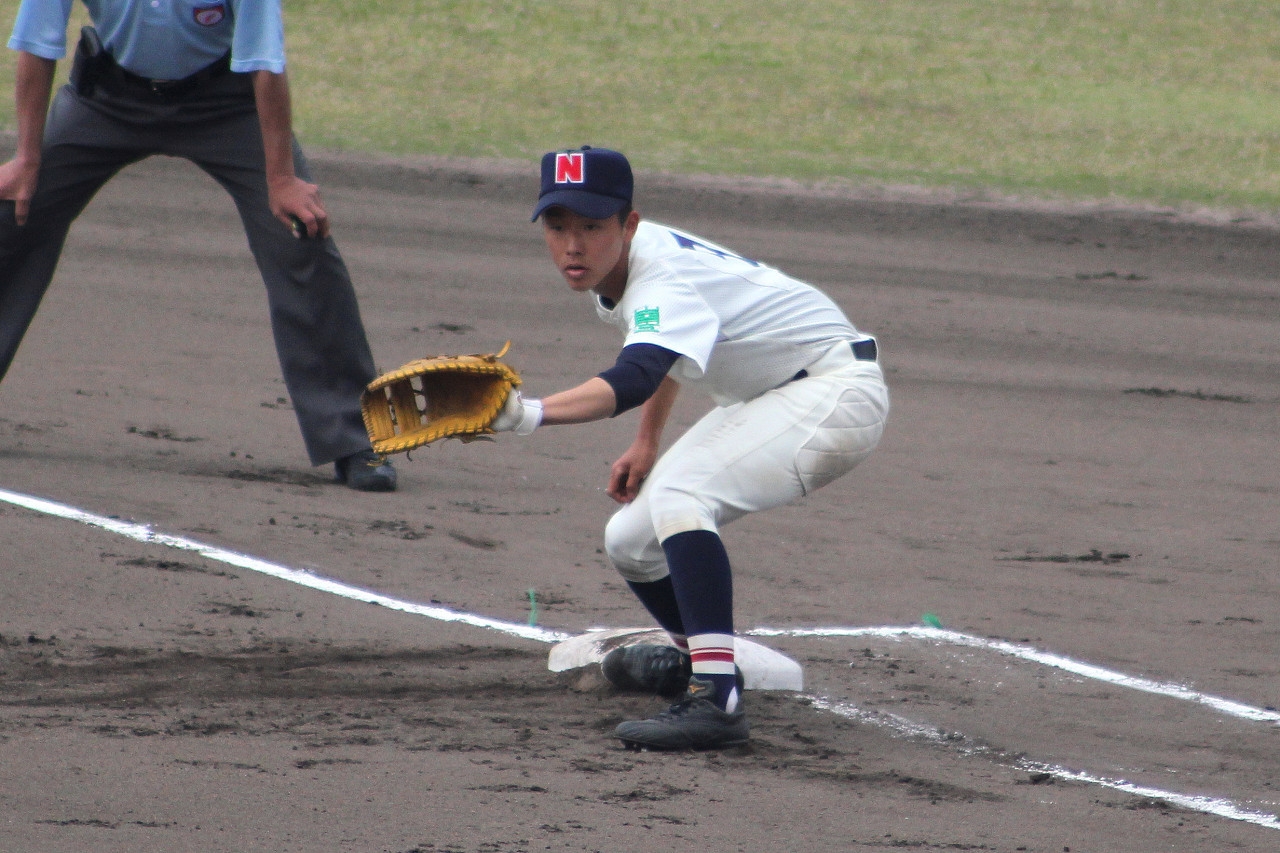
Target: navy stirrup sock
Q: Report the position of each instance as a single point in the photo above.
(659, 598)
(703, 585)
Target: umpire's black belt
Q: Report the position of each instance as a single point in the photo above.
(862, 351)
(113, 78)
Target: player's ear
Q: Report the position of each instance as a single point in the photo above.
(630, 224)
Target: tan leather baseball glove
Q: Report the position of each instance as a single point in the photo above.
(446, 396)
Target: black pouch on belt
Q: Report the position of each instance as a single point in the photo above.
(89, 60)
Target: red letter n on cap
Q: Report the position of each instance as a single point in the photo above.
(569, 168)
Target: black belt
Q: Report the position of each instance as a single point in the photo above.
(121, 80)
(862, 351)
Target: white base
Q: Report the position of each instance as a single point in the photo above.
(762, 667)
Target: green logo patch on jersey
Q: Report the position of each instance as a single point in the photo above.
(646, 320)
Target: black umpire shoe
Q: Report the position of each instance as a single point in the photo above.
(366, 471)
(648, 668)
(694, 722)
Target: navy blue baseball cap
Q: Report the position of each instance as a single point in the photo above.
(593, 182)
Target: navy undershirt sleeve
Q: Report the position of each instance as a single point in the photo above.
(638, 372)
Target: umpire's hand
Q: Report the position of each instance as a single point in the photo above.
(293, 198)
(18, 184)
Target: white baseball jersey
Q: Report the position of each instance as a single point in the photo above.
(740, 327)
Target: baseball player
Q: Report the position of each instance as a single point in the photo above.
(203, 80)
(801, 399)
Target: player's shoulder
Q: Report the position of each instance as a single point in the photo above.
(657, 239)
(684, 250)
(654, 235)
(661, 230)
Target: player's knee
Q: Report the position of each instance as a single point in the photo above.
(683, 514)
(638, 572)
(637, 568)
(676, 507)
(633, 537)
(632, 548)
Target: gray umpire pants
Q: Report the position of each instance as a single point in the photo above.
(320, 340)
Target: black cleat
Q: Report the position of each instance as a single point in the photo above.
(659, 669)
(365, 471)
(694, 722)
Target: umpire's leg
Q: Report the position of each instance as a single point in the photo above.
(82, 150)
(320, 340)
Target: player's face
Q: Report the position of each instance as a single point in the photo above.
(591, 254)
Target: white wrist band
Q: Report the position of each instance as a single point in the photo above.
(532, 417)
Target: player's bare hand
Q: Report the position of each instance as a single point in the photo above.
(297, 204)
(18, 184)
(628, 474)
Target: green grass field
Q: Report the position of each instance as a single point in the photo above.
(1164, 101)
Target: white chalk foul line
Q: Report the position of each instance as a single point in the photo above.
(1175, 691)
(1208, 805)
(144, 533)
(1216, 806)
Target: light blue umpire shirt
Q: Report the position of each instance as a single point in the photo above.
(162, 39)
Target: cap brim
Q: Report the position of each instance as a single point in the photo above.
(585, 204)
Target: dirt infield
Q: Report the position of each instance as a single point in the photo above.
(1081, 461)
